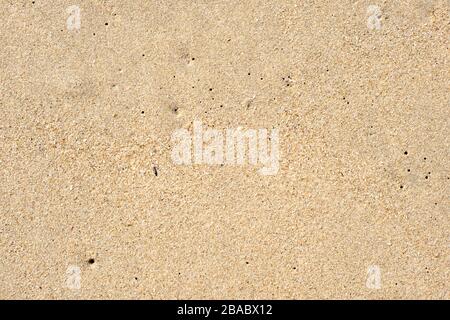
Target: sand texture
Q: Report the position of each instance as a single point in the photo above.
(93, 205)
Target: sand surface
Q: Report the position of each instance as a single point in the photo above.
(92, 204)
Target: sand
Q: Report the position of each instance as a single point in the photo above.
(93, 205)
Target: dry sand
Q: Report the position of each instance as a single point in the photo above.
(358, 209)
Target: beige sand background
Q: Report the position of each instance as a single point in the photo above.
(87, 114)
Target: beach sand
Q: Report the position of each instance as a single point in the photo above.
(93, 206)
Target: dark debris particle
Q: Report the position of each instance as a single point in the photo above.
(405, 153)
(401, 187)
(155, 171)
(106, 23)
(91, 261)
(142, 112)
